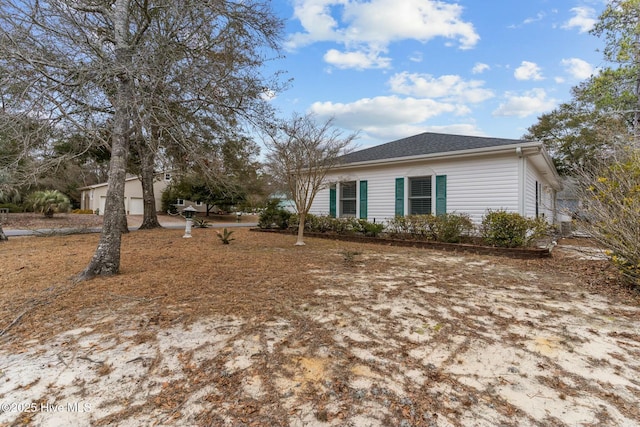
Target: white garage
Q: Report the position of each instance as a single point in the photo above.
(136, 206)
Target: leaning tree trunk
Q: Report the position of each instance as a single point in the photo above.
(106, 259)
(150, 216)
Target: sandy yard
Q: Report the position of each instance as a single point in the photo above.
(262, 333)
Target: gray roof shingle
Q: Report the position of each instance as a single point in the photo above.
(424, 144)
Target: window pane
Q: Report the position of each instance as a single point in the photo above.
(420, 206)
(348, 208)
(420, 187)
(348, 190)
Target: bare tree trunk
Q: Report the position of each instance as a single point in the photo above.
(150, 216)
(299, 241)
(106, 259)
(124, 226)
(3, 237)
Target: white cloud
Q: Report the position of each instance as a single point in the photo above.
(384, 111)
(480, 68)
(450, 88)
(416, 57)
(457, 129)
(539, 17)
(584, 19)
(528, 71)
(371, 25)
(374, 135)
(357, 60)
(578, 68)
(531, 102)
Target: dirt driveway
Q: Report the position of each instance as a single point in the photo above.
(262, 333)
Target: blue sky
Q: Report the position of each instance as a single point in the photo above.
(395, 68)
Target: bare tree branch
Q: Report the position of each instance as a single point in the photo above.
(301, 153)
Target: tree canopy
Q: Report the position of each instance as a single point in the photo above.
(159, 75)
(605, 109)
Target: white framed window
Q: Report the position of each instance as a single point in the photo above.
(420, 195)
(180, 202)
(167, 177)
(348, 199)
(198, 203)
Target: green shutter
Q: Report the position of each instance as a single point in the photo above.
(441, 194)
(332, 201)
(399, 196)
(363, 199)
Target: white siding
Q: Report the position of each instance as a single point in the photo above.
(94, 197)
(546, 201)
(320, 204)
(473, 185)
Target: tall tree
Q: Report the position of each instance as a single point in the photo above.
(301, 153)
(603, 122)
(619, 25)
(605, 108)
(188, 108)
(89, 62)
(578, 133)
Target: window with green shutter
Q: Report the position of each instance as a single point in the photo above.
(363, 200)
(332, 201)
(399, 196)
(441, 194)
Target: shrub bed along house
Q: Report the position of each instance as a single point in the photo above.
(500, 231)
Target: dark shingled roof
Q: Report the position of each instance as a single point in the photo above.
(423, 144)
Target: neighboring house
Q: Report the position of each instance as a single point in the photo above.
(285, 202)
(434, 173)
(94, 196)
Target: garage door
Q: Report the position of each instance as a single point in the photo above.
(136, 206)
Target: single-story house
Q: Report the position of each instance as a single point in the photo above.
(94, 196)
(433, 173)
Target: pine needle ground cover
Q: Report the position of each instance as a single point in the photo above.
(260, 332)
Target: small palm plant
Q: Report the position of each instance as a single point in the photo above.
(48, 202)
(225, 236)
(201, 223)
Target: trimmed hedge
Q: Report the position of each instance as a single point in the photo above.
(511, 230)
(498, 228)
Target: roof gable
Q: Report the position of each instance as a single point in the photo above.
(425, 144)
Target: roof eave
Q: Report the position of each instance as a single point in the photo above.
(443, 155)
